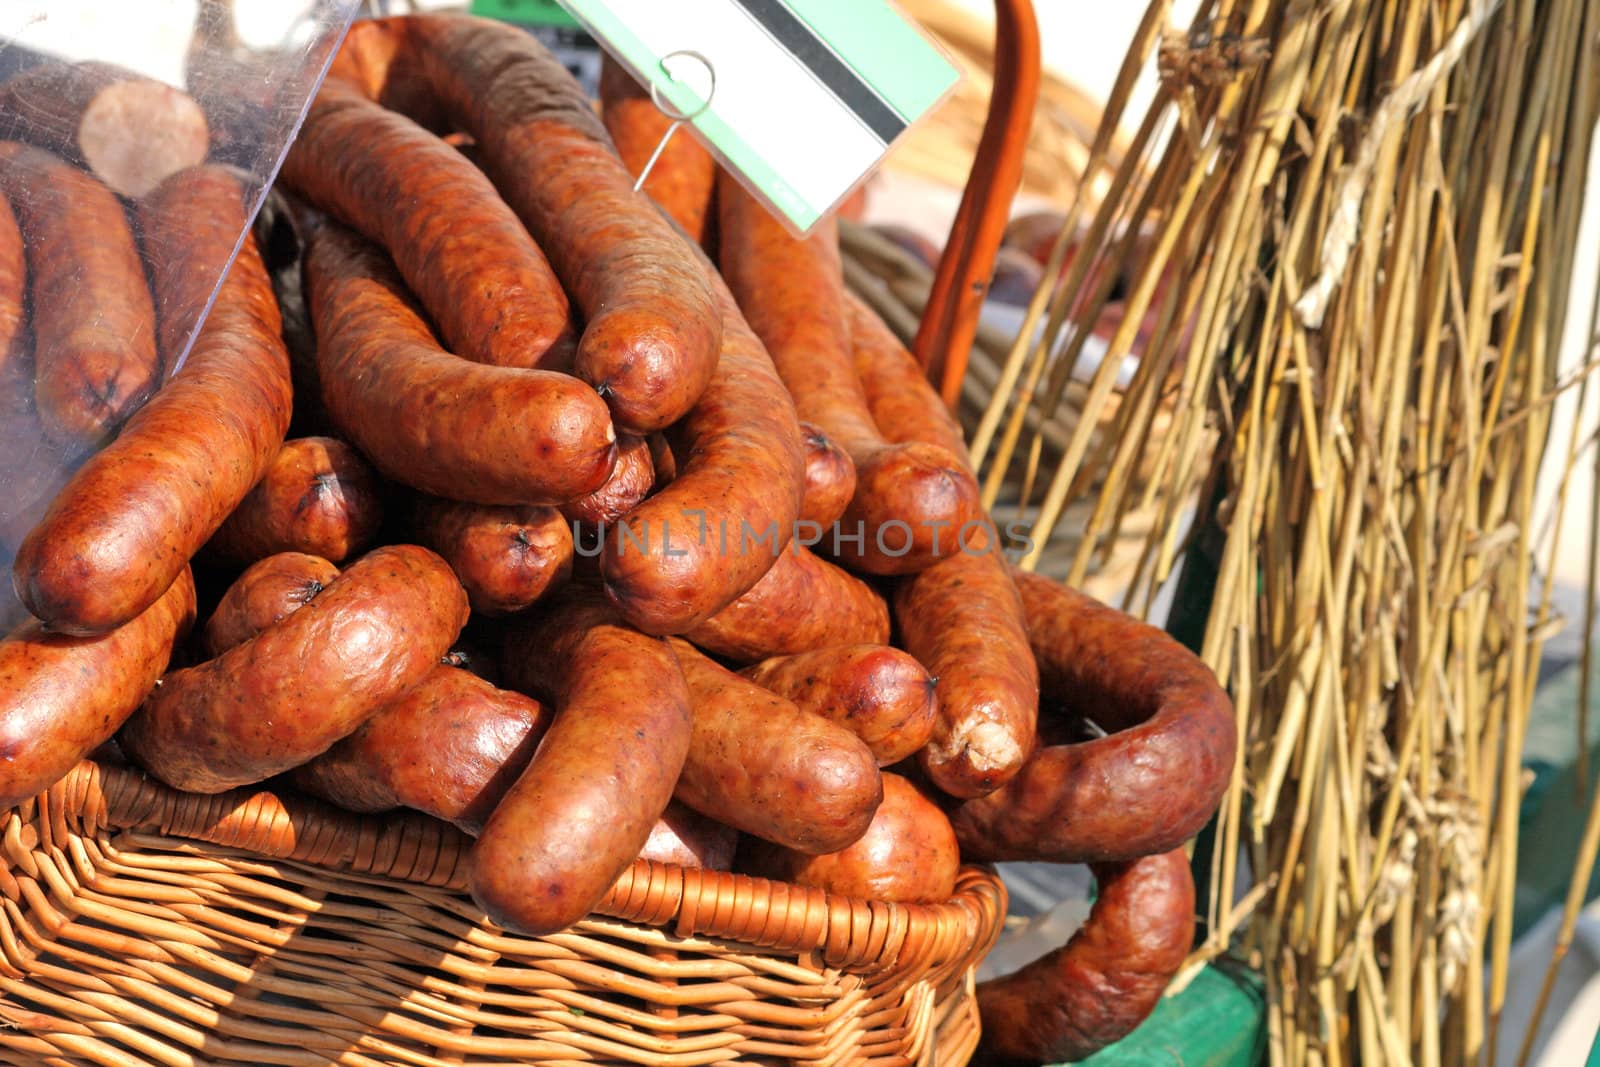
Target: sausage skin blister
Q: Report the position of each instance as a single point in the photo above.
(297, 687)
(61, 697)
(763, 766)
(1170, 723)
(587, 803)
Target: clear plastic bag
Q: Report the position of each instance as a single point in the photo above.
(99, 104)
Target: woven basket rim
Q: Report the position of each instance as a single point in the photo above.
(851, 934)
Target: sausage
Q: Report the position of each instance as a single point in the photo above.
(585, 807)
(961, 617)
(910, 497)
(1106, 980)
(763, 766)
(294, 689)
(318, 495)
(94, 328)
(684, 176)
(903, 403)
(61, 697)
(130, 131)
(1149, 785)
(268, 590)
(630, 482)
(692, 548)
(446, 426)
(685, 838)
(652, 329)
(830, 478)
(506, 558)
(880, 694)
(450, 747)
(803, 602)
(908, 854)
(132, 517)
(485, 284)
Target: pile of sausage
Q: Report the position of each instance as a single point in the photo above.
(580, 518)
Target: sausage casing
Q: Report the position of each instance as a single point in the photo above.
(1146, 787)
(61, 697)
(763, 766)
(1106, 980)
(290, 692)
(586, 804)
(267, 591)
(880, 694)
(908, 854)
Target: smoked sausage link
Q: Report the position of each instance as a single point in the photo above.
(129, 521)
(692, 548)
(685, 838)
(459, 247)
(507, 558)
(266, 592)
(587, 803)
(1106, 980)
(910, 497)
(803, 602)
(94, 325)
(652, 329)
(880, 694)
(317, 495)
(907, 854)
(1149, 785)
(830, 478)
(434, 421)
(13, 318)
(630, 482)
(290, 692)
(450, 747)
(763, 766)
(61, 697)
(962, 619)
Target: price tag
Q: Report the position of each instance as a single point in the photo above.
(800, 98)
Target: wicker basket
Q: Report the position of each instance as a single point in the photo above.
(145, 926)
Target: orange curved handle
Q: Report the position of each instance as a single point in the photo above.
(950, 321)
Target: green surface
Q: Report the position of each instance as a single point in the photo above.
(527, 12)
(1218, 1021)
(1594, 1053)
(1553, 808)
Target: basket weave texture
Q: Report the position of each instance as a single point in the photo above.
(142, 926)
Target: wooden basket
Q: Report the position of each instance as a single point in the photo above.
(142, 926)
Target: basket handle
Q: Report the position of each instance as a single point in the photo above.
(950, 320)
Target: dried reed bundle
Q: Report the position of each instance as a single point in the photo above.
(1351, 225)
